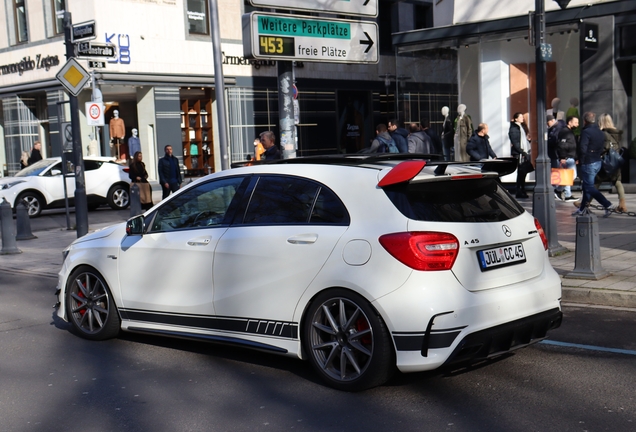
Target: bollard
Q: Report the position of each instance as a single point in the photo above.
(135, 200)
(23, 222)
(587, 258)
(9, 245)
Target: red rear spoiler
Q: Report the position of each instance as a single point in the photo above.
(403, 172)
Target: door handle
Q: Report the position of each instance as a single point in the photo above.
(199, 242)
(303, 239)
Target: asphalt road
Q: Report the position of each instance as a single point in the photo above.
(56, 218)
(51, 379)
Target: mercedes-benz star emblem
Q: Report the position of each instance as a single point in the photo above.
(507, 231)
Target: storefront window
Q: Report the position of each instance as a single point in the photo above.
(198, 17)
(58, 20)
(19, 9)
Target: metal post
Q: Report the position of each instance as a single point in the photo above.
(219, 84)
(587, 259)
(9, 245)
(81, 204)
(23, 222)
(543, 205)
(286, 109)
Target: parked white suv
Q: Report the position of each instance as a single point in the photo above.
(41, 185)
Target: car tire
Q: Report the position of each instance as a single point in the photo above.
(34, 203)
(89, 305)
(119, 197)
(347, 342)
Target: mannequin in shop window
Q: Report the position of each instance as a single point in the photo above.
(117, 133)
(558, 115)
(447, 134)
(134, 145)
(194, 155)
(463, 132)
(92, 145)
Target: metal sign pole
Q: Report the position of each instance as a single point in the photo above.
(81, 204)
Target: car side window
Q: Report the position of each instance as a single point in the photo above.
(90, 165)
(202, 206)
(280, 200)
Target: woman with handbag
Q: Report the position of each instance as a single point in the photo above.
(612, 141)
(520, 149)
(139, 176)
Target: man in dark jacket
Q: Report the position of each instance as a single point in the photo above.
(399, 135)
(169, 173)
(268, 139)
(591, 147)
(36, 153)
(435, 139)
(566, 155)
(519, 147)
(478, 146)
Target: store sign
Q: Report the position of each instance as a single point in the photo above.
(122, 41)
(589, 34)
(256, 64)
(27, 64)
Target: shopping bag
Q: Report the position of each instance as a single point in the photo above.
(562, 177)
(145, 193)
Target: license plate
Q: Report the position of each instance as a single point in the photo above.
(501, 256)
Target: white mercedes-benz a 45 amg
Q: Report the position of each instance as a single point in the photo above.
(360, 264)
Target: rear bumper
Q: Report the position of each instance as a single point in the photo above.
(504, 338)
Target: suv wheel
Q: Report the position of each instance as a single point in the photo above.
(33, 203)
(118, 197)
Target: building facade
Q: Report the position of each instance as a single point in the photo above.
(592, 67)
(162, 82)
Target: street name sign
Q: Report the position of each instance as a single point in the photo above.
(83, 31)
(73, 77)
(368, 8)
(96, 64)
(95, 49)
(302, 38)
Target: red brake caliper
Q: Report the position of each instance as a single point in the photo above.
(361, 325)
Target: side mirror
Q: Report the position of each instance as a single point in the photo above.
(135, 226)
(56, 172)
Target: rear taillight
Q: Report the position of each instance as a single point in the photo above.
(427, 251)
(544, 239)
(127, 169)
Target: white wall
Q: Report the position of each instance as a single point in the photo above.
(464, 11)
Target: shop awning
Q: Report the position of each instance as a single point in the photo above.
(505, 28)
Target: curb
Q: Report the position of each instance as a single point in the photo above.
(598, 296)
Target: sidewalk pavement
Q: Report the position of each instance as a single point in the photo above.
(617, 235)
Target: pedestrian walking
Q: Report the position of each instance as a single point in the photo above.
(612, 140)
(399, 135)
(268, 139)
(566, 155)
(138, 174)
(36, 153)
(590, 149)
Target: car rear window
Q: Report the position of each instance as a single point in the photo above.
(474, 200)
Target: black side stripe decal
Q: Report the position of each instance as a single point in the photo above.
(281, 329)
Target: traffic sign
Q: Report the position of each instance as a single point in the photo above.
(295, 37)
(73, 77)
(83, 31)
(96, 64)
(94, 113)
(95, 49)
(342, 7)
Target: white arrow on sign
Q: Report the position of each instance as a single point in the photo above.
(294, 37)
(367, 8)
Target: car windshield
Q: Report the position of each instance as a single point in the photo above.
(36, 168)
